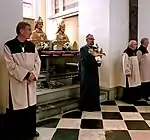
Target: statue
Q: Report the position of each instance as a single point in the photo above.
(60, 34)
(61, 37)
(38, 37)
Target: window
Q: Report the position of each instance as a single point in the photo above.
(60, 7)
(28, 8)
(68, 4)
(56, 6)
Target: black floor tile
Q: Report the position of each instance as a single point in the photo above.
(51, 123)
(112, 115)
(109, 103)
(127, 109)
(117, 135)
(74, 114)
(91, 124)
(137, 125)
(146, 116)
(141, 103)
(66, 134)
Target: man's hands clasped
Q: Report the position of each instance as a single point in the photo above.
(31, 78)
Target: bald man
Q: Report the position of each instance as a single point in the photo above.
(144, 64)
(89, 83)
(131, 73)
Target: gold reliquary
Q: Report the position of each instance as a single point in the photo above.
(96, 51)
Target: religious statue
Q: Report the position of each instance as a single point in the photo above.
(38, 37)
(60, 34)
(61, 37)
(97, 51)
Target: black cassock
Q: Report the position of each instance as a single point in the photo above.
(89, 83)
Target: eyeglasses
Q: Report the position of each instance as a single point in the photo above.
(91, 38)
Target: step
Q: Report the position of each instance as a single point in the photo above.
(103, 97)
(52, 95)
(51, 109)
(48, 110)
(52, 102)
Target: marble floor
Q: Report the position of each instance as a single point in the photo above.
(115, 121)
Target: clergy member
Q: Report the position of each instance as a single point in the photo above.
(144, 62)
(89, 83)
(131, 73)
(23, 66)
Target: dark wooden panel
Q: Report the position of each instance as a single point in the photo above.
(133, 19)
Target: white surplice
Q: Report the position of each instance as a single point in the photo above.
(18, 65)
(130, 67)
(144, 64)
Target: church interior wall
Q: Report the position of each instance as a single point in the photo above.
(40, 10)
(143, 19)
(9, 20)
(33, 11)
(72, 28)
(49, 23)
(52, 29)
(119, 36)
(109, 25)
(43, 13)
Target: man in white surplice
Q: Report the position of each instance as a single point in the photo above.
(144, 64)
(23, 65)
(131, 73)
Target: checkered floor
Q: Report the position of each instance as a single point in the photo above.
(116, 121)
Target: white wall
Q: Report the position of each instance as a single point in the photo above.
(35, 11)
(51, 28)
(11, 13)
(108, 21)
(37, 8)
(50, 24)
(143, 19)
(119, 36)
(28, 10)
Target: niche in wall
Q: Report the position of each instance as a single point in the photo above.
(72, 28)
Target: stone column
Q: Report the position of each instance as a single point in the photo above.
(10, 16)
(108, 21)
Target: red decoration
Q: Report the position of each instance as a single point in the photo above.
(27, 3)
